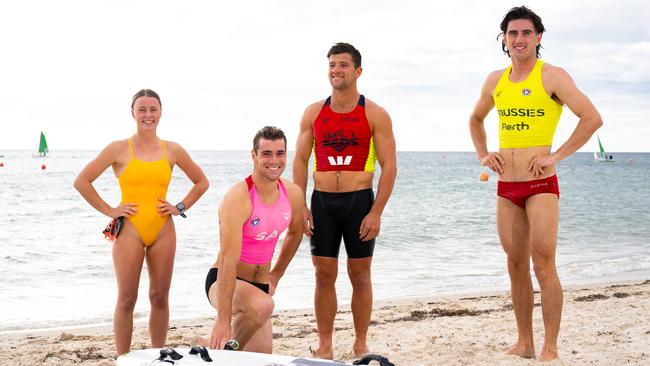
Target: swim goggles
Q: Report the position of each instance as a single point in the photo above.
(167, 353)
(202, 352)
(113, 228)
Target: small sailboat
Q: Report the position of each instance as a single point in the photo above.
(42, 146)
(601, 155)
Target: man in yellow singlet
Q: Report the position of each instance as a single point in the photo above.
(529, 96)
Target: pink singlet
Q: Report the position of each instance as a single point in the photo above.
(262, 230)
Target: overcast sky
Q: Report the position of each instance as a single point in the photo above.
(226, 68)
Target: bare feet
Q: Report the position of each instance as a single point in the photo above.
(322, 352)
(548, 356)
(360, 350)
(522, 351)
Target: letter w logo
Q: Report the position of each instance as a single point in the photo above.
(339, 160)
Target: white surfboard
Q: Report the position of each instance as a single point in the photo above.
(149, 357)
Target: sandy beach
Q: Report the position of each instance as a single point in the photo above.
(601, 325)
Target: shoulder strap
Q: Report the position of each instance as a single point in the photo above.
(281, 188)
(506, 73)
(163, 148)
(249, 182)
(537, 69)
(131, 148)
(503, 81)
(328, 101)
(362, 100)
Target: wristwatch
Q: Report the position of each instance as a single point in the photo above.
(181, 209)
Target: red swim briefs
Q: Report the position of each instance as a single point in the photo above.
(518, 192)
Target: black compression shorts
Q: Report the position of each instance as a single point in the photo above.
(339, 215)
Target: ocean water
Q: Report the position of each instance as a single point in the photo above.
(438, 235)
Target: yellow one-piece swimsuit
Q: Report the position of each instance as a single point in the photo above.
(142, 183)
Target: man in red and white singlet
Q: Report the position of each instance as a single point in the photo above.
(348, 133)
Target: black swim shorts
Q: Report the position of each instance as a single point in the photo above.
(339, 215)
(212, 278)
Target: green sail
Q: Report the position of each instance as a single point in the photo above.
(602, 151)
(42, 146)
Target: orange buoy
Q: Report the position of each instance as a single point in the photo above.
(43, 167)
(484, 177)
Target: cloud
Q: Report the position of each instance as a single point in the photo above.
(224, 69)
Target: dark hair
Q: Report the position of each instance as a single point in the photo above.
(145, 93)
(268, 133)
(521, 12)
(341, 47)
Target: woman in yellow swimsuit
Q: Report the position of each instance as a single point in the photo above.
(143, 165)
